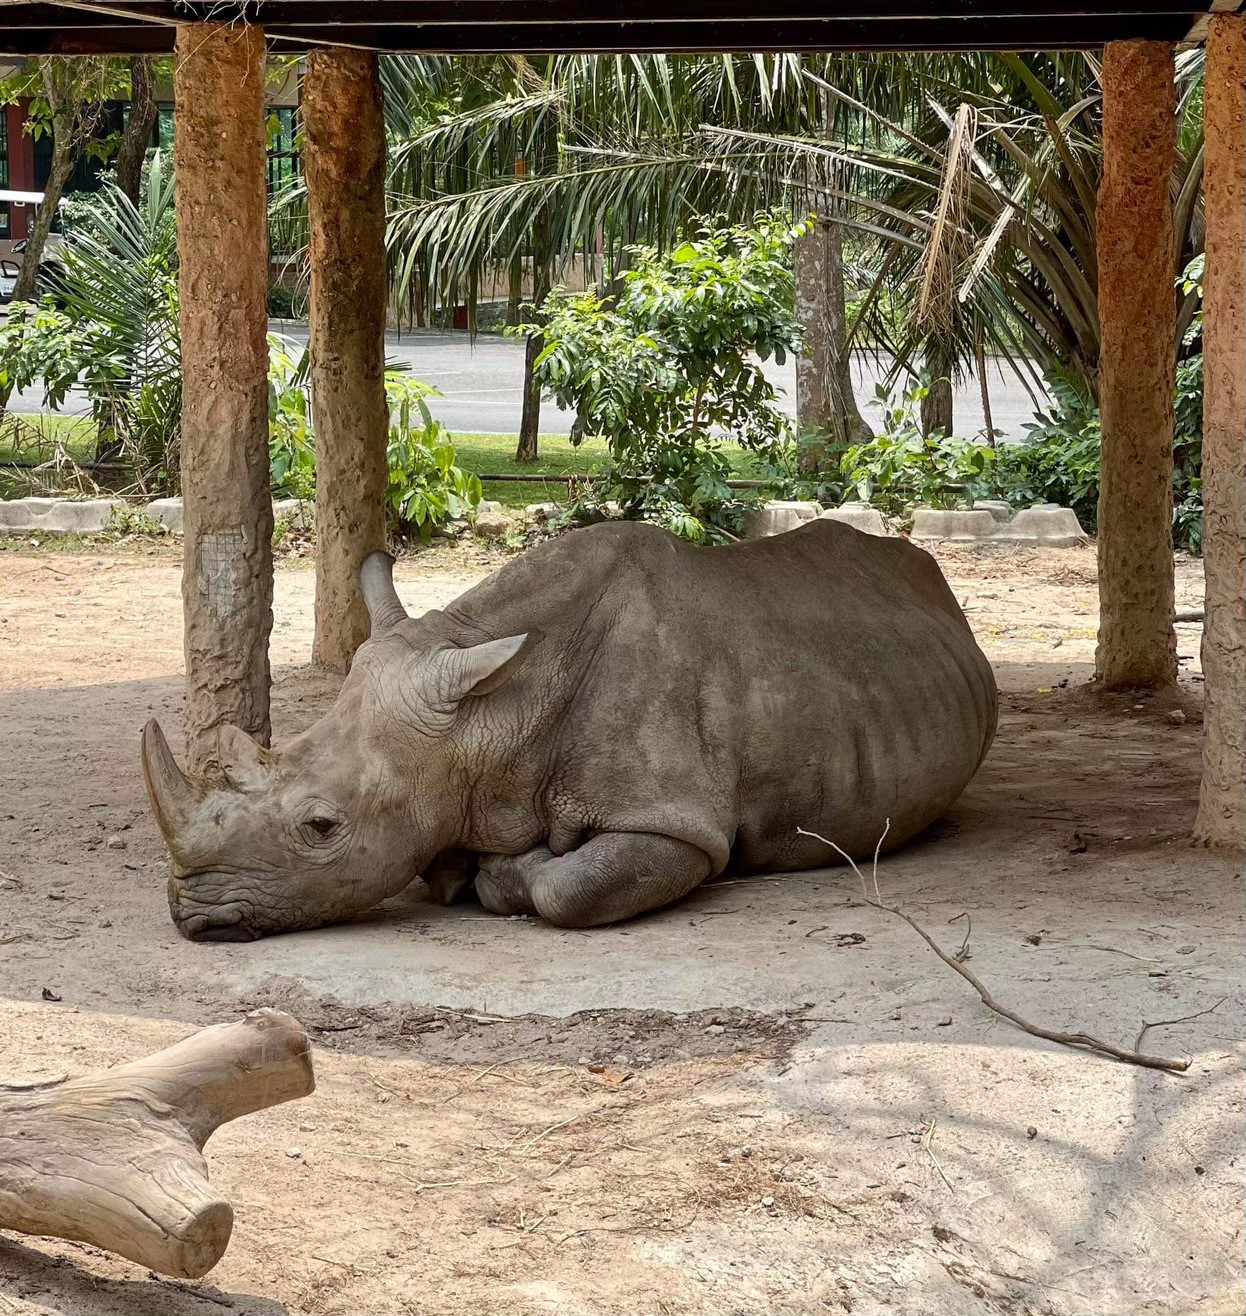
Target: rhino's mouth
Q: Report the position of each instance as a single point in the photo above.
(230, 921)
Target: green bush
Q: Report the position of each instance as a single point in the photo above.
(426, 486)
(672, 363)
(1059, 461)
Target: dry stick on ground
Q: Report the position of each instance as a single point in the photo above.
(116, 1158)
(1083, 1040)
(1184, 1019)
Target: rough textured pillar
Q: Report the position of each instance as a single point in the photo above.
(222, 242)
(345, 168)
(1222, 799)
(1137, 367)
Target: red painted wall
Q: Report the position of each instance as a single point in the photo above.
(21, 166)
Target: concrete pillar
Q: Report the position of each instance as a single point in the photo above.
(345, 168)
(222, 242)
(1137, 316)
(1222, 799)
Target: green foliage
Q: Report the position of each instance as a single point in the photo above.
(426, 486)
(291, 439)
(109, 324)
(672, 363)
(900, 465)
(1059, 461)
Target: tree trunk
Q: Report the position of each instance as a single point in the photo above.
(1137, 315)
(345, 168)
(115, 1159)
(936, 409)
(514, 297)
(222, 242)
(143, 113)
(984, 389)
(1222, 799)
(826, 407)
(530, 420)
(63, 159)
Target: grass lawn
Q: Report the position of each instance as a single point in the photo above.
(495, 454)
(34, 438)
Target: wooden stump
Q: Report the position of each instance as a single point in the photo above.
(115, 1159)
(1222, 799)
(222, 243)
(345, 164)
(1137, 367)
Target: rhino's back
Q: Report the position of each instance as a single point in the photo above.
(822, 678)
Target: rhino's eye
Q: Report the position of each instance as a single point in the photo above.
(321, 827)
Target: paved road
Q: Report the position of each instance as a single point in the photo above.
(481, 386)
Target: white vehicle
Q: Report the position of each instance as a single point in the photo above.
(51, 249)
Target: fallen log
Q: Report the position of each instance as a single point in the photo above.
(115, 1159)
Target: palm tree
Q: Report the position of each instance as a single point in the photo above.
(969, 180)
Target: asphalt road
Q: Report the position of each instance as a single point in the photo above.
(480, 384)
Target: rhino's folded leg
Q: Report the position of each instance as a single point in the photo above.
(614, 876)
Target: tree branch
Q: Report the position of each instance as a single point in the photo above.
(1081, 1040)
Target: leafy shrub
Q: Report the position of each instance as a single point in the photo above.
(900, 465)
(426, 486)
(291, 439)
(109, 323)
(665, 368)
(1059, 461)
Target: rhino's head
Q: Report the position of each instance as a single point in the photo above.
(349, 812)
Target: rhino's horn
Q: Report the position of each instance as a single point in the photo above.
(174, 797)
(376, 581)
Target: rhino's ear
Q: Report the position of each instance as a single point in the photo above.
(246, 764)
(483, 668)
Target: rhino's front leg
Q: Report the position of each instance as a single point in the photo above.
(614, 876)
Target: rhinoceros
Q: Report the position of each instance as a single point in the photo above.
(599, 727)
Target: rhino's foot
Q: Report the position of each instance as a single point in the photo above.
(614, 876)
(504, 881)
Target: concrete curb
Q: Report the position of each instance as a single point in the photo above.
(1047, 525)
(57, 516)
(90, 516)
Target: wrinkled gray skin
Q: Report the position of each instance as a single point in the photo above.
(600, 726)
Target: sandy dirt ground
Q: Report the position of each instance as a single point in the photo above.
(769, 1098)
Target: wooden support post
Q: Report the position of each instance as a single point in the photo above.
(116, 1159)
(222, 243)
(1137, 367)
(345, 166)
(1222, 799)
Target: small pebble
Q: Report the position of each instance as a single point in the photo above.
(1198, 1169)
(115, 843)
(1176, 718)
(307, 1128)
(945, 1023)
(715, 1029)
(621, 1058)
(1031, 1132)
(767, 1201)
(585, 1060)
(1139, 708)
(294, 1153)
(105, 923)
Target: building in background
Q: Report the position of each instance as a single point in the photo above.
(25, 162)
